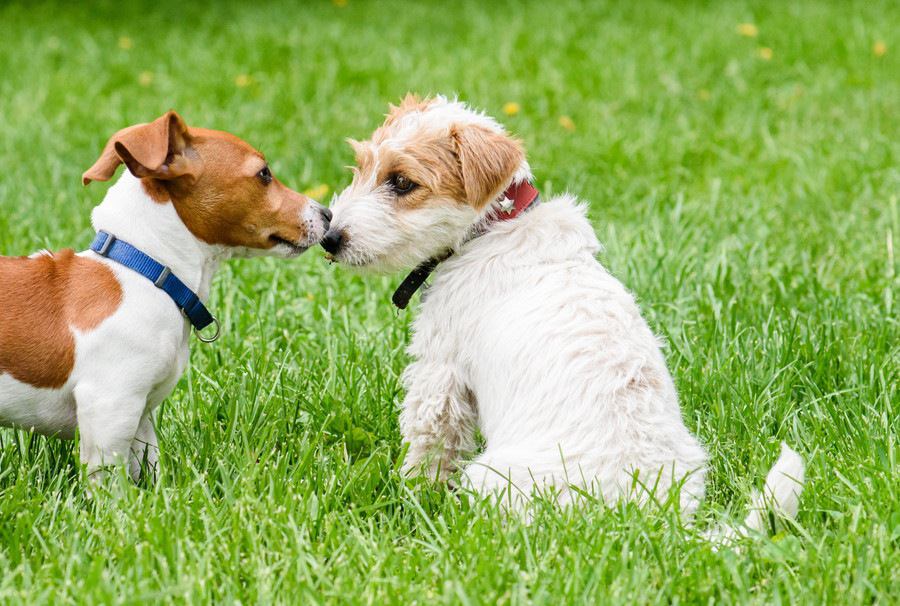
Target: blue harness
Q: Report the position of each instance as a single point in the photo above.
(108, 246)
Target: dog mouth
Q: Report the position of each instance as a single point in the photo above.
(351, 256)
(358, 262)
(294, 248)
(347, 258)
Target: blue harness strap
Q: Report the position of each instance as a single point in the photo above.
(123, 253)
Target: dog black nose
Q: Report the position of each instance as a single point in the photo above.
(332, 241)
(326, 214)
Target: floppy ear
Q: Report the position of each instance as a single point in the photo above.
(487, 159)
(153, 150)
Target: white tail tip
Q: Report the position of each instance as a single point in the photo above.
(781, 493)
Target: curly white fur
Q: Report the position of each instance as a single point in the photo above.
(524, 336)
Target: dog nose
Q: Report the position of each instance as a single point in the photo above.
(332, 241)
(326, 214)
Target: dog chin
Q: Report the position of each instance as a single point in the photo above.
(288, 251)
(282, 250)
(361, 263)
(371, 263)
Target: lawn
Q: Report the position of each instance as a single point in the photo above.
(742, 163)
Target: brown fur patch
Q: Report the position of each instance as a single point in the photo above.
(226, 203)
(488, 161)
(146, 148)
(211, 178)
(40, 299)
(470, 164)
(430, 162)
(155, 190)
(410, 103)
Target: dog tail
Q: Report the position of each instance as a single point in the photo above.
(780, 496)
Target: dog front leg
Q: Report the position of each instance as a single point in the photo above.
(144, 449)
(437, 420)
(107, 425)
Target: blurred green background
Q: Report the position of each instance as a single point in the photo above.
(741, 164)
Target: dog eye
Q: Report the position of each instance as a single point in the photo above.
(401, 184)
(265, 175)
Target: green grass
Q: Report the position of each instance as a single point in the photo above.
(751, 204)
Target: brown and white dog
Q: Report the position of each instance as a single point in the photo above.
(523, 335)
(89, 343)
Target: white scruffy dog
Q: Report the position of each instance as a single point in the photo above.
(522, 334)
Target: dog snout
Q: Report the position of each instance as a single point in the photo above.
(333, 240)
(321, 215)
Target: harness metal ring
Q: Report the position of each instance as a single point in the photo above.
(213, 338)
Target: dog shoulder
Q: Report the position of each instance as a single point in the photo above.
(43, 298)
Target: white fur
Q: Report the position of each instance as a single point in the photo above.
(396, 244)
(524, 336)
(569, 384)
(131, 362)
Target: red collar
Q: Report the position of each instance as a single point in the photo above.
(517, 199)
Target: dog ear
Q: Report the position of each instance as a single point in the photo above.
(487, 159)
(152, 150)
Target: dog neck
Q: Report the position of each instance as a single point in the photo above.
(155, 228)
(518, 198)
